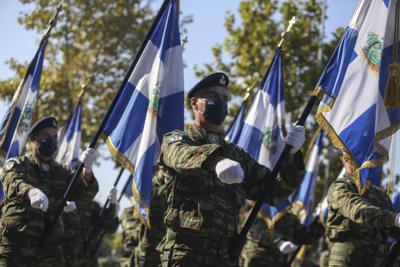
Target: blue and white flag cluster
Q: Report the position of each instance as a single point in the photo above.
(354, 82)
(16, 122)
(70, 140)
(264, 126)
(150, 105)
(303, 199)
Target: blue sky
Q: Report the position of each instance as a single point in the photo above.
(206, 30)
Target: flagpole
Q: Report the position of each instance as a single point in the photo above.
(238, 240)
(96, 137)
(96, 247)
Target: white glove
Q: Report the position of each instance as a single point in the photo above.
(38, 199)
(295, 138)
(397, 220)
(87, 158)
(229, 171)
(69, 206)
(286, 247)
(112, 195)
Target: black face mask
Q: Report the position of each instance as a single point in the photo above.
(216, 111)
(47, 146)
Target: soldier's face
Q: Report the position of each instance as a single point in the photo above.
(210, 106)
(45, 142)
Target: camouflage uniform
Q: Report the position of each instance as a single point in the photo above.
(22, 226)
(130, 236)
(261, 246)
(146, 253)
(202, 213)
(88, 211)
(358, 226)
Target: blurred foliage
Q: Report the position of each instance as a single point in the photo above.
(92, 38)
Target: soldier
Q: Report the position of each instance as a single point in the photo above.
(269, 247)
(209, 179)
(34, 185)
(358, 226)
(79, 218)
(146, 253)
(130, 224)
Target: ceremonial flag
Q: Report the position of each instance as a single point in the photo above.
(17, 120)
(150, 105)
(70, 139)
(264, 126)
(303, 199)
(352, 112)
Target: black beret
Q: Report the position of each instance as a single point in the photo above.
(46, 122)
(215, 79)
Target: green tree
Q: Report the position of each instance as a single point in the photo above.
(95, 38)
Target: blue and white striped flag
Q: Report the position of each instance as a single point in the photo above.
(264, 126)
(303, 199)
(264, 129)
(150, 105)
(354, 82)
(16, 122)
(70, 139)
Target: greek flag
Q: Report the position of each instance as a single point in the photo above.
(303, 199)
(264, 129)
(264, 126)
(352, 112)
(396, 201)
(16, 121)
(150, 105)
(236, 127)
(70, 140)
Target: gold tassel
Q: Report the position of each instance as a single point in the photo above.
(392, 93)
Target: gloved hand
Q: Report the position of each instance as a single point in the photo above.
(69, 206)
(286, 247)
(295, 138)
(38, 199)
(112, 195)
(397, 220)
(87, 158)
(229, 171)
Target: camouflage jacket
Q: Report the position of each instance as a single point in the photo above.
(27, 172)
(358, 219)
(198, 202)
(130, 228)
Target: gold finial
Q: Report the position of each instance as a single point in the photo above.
(288, 29)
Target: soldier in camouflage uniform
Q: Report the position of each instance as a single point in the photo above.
(130, 224)
(358, 226)
(34, 185)
(209, 179)
(146, 253)
(78, 225)
(269, 247)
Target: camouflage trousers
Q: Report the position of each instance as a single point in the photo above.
(187, 250)
(27, 253)
(356, 255)
(260, 257)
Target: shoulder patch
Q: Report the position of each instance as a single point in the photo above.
(11, 163)
(174, 138)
